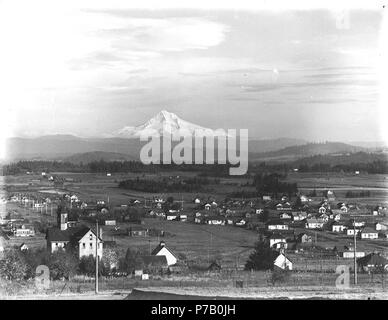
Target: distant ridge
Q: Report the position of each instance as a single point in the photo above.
(88, 157)
(306, 150)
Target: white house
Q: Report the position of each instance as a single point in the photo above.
(349, 254)
(314, 224)
(24, 231)
(87, 245)
(338, 227)
(171, 216)
(283, 262)
(369, 233)
(277, 226)
(350, 231)
(162, 250)
(299, 216)
(277, 241)
(380, 226)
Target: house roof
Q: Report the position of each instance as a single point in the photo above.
(70, 234)
(374, 259)
(368, 230)
(276, 236)
(159, 247)
(314, 221)
(154, 261)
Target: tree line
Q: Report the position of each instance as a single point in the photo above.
(196, 184)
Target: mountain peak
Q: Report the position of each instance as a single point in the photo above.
(163, 122)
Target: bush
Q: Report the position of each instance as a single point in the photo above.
(13, 266)
(280, 276)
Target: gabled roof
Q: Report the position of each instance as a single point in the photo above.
(70, 234)
(276, 236)
(154, 261)
(368, 230)
(159, 247)
(374, 259)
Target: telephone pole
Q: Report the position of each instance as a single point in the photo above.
(96, 282)
(355, 252)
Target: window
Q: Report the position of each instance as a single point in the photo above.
(56, 244)
(91, 245)
(83, 245)
(91, 237)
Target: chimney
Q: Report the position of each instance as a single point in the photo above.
(63, 221)
(162, 243)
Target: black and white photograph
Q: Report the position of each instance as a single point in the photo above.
(193, 150)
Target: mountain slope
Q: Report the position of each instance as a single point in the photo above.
(306, 150)
(164, 122)
(88, 157)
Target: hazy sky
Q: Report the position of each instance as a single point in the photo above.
(88, 70)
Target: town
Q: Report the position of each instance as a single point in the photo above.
(192, 238)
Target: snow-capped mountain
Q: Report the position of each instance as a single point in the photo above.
(164, 122)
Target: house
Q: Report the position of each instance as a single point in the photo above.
(277, 241)
(372, 261)
(171, 216)
(240, 222)
(162, 250)
(82, 239)
(358, 224)
(322, 210)
(369, 233)
(324, 217)
(384, 234)
(344, 209)
(304, 238)
(338, 227)
(349, 254)
(183, 217)
(277, 226)
(137, 231)
(330, 195)
(283, 262)
(24, 231)
(23, 247)
(197, 201)
(154, 263)
(283, 206)
(303, 199)
(215, 220)
(199, 220)
(314, 223)
(299, 216)
(380, 226)
(350, 231)
(110, 222)
(267, 198)
(285, 216)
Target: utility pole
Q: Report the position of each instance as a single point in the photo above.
(355, 252)
(96, 257)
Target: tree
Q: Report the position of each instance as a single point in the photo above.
(262, 258)
(131, 261)
(87, 265)
(34, 258)
(110, 259)
(13, 265)
(62, 264)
